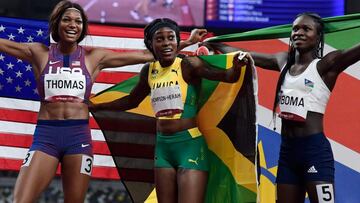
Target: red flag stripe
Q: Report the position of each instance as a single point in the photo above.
(113, 77)
(18, 115)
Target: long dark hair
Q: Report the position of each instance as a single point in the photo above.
(155, 25)
(291, 54)
(56, 15)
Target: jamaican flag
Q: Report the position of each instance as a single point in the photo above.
(226, 118)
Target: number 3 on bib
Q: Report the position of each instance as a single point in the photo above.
(86, 165)
(27, 158)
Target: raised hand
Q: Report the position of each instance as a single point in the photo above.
(197, 35)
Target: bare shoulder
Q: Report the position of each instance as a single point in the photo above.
(39, 55)
(281, 58)
(38, 47)
(94, 50)
(91, 51)
(39, 52)
(94, 54)
(330, 59)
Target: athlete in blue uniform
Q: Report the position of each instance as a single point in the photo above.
(173, 83)
(65, 73)
(306, 162)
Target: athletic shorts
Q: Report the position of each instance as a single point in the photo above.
(305, 159)
(62, 137)
(185, 149)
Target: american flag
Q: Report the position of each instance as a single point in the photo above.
(19, 101)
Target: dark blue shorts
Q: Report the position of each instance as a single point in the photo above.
(62, 137)
(305, 159)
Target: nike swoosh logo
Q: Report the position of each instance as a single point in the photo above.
(84, 145)
(53, 62)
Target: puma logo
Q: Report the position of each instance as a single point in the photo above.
(175, 71)
(194, 161)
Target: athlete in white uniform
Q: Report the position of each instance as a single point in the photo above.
(302, 93)
(307, 77)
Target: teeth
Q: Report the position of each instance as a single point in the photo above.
(71, 32)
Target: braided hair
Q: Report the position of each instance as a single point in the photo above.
(155, 25)
(291, 54)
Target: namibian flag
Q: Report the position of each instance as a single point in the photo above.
(341, 121)
(226, 118)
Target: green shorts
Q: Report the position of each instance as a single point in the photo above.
(185, 149)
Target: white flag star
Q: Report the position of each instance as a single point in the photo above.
(27, 82)
(21, 30)
(2, 57)
(11, 36)
(35, 91)
(19, 61)
(9, 79)
(1, 72)
(2, 28)
(10, 65)
(40, 32)
(30, 39)
(18, 88)
(18, 74)
(28, 67)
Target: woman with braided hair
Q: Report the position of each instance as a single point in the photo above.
(181, 160)
(306, 162)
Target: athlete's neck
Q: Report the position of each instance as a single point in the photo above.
(67, 48)
(166, 63)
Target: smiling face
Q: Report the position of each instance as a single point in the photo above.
(304, 34)
(164, 44)
(70, 26)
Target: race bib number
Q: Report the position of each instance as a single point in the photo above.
(66, 84)
(167, 101)
(86, 165)
(325, 193)
(27, 159)
(293, 105)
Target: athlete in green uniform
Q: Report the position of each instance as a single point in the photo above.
(181, 152)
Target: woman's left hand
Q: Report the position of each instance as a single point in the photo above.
(197, 35)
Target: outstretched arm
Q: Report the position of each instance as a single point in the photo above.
(266, 61)
(337, 61)
(194, 67)
(110, 59)
(330, 66)
(16, 49)
(140, 91)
